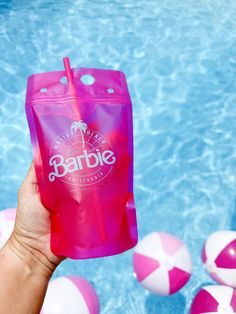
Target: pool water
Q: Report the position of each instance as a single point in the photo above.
(180, 61)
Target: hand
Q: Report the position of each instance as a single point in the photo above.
(30, 239)
(26, 260)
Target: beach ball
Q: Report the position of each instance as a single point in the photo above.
(214, 299)
(219, 257)
(7, 221)
(162, 263)
(70, 295)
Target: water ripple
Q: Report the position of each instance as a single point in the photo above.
(180, 61)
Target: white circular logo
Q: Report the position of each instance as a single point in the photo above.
(80, 156)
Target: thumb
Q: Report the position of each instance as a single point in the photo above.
(29, 184)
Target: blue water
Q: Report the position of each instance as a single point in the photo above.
(180, 61)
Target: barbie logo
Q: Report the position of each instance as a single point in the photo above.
(80, 156)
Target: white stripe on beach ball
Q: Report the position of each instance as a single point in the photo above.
(65, 296)
(7, 221)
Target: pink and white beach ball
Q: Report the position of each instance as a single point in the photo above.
(162, 263)
(7, 221)
(70, 295)
(214, 299)
(219, 257)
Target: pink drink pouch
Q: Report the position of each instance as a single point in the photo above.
(82, 141)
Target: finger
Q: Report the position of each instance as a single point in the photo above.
(30, 179)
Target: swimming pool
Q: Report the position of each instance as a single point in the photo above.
(180, 61)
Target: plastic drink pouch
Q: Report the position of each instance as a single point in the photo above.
(82, 140)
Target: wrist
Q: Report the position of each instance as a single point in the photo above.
(31, 260)
(24, 280)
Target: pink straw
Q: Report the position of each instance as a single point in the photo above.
(72, 87)
(73, 91)
(69, 74)
(70, 80)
